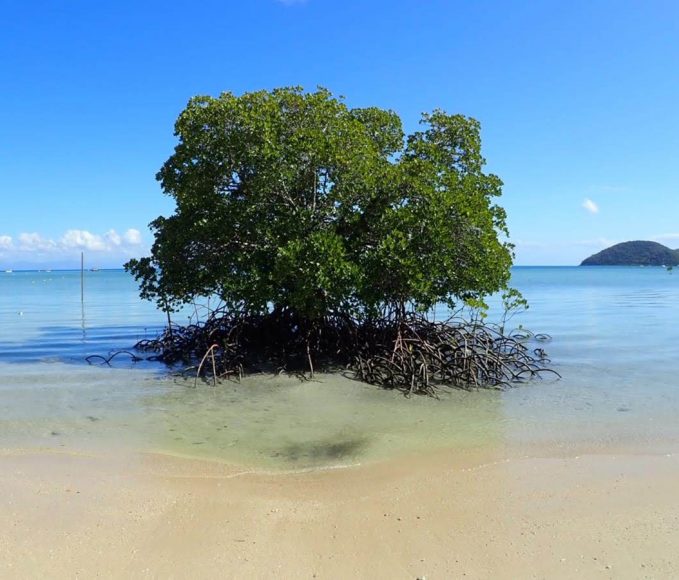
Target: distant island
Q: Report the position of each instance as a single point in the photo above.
(638, 253)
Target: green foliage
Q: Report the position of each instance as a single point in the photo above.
(293, 201)
(513, 303)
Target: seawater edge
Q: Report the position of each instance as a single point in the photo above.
(617, 386)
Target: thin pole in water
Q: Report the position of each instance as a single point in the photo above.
(82, 291)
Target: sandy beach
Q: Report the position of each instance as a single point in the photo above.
(69, 515)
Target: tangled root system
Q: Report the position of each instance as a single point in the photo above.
(410, 353)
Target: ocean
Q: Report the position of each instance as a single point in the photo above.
(614, 341)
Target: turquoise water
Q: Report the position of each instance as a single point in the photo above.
(614, 341)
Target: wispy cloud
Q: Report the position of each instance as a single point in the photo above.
(34, 247)
(607, 188)
(552, 245)
(596, 243)
(662, 238)
(590, 206)
(531, 244)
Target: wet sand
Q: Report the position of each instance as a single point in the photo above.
(134, 515)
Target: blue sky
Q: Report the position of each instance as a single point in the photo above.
(579, 105)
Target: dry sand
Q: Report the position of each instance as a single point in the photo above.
(441, 516)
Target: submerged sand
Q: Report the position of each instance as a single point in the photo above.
(112, 476)
(135, 515)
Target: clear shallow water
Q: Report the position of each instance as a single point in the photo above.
(615, 343)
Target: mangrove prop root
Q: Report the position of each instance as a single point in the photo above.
(405, 352)
(106, 360)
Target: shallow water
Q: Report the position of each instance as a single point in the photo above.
(614, 342)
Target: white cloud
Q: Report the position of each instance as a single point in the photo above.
(132, 237)
(32, 242)
(110, 248)
(83, 240)
(590, 206)
(113, 238)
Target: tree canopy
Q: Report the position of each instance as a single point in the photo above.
(292, 200)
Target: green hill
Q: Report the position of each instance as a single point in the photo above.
(638, 253)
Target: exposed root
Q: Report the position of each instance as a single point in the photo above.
(406, 352)
(106, 360)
